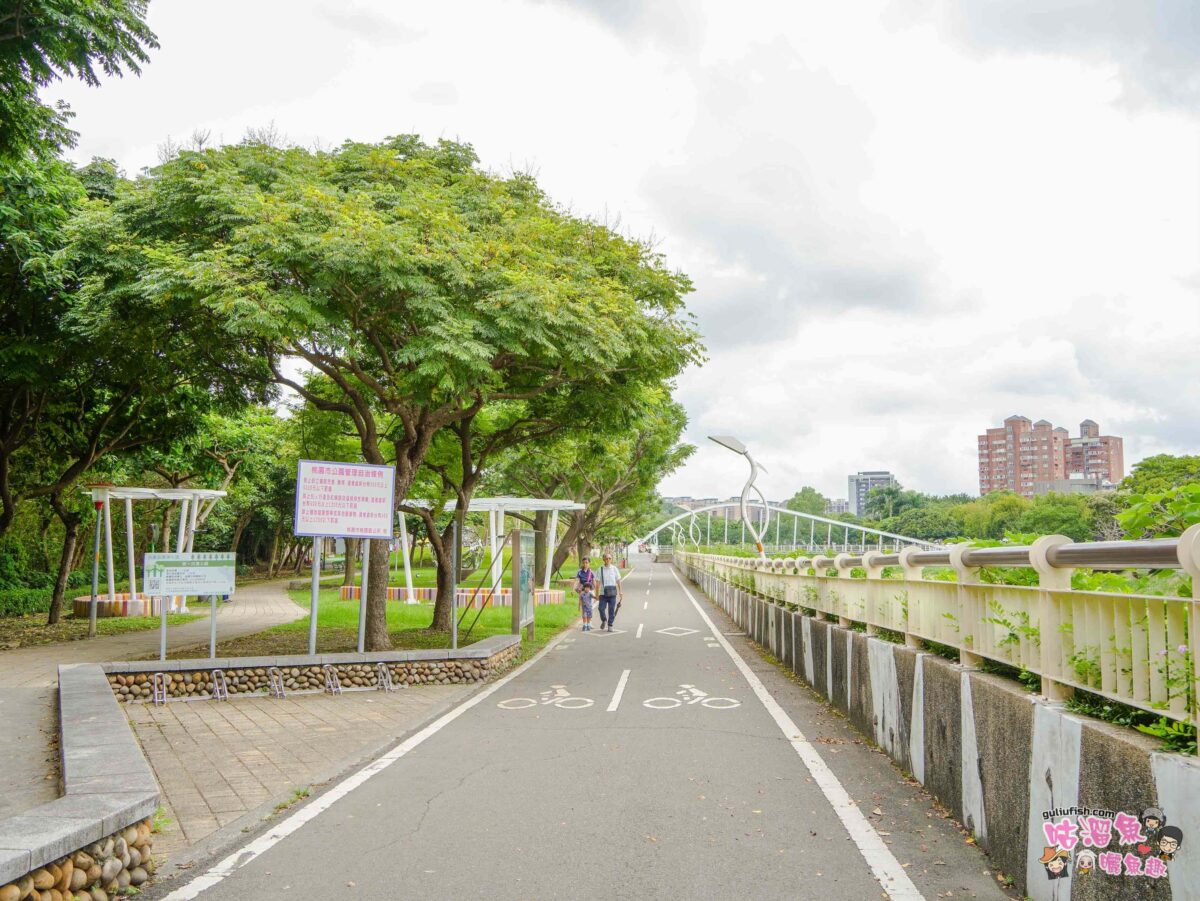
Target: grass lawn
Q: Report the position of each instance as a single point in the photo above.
(26, 631)
(408, 624)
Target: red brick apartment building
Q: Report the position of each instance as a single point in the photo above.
(1033, 458)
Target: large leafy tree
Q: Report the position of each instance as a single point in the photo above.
(808, 500)
(421, 287)
(44, 40)
(1161, 473)
(611, 469)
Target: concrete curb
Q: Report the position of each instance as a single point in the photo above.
(107, 783)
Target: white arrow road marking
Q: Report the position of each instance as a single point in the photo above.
(616, 698)
(879, 857)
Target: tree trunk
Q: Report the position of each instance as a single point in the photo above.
(271, 560)
(70, 537)
(377, 636)
(447, 583)
(238, 529)
(351, 561)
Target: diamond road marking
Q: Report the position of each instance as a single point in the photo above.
(677, 631)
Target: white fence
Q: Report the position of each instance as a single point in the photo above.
(1135, 649)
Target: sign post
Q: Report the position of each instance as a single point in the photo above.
(168, 575)
(362, 594)
(523, 550)
(342, 500)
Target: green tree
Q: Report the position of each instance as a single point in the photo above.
(808, 500)
(1160, 473)
(1058, 514)
(992, 515)
(928, 523)
(423, 288)
(44, 40)
(1163, 513)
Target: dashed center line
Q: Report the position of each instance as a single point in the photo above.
(616, 698)
(639, 631)
(646, 605)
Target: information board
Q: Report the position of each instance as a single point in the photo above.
(524, 543)
(168, 575)
(344, 500)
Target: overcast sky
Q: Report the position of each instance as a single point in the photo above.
(905, 219)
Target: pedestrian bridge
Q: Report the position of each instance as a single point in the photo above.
(802, 531)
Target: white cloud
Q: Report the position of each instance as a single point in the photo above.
(905, 220)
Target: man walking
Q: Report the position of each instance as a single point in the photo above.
(611, 593)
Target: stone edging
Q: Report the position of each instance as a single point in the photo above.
(132, 682)
(107, 784)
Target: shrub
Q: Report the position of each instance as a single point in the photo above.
(23, 601)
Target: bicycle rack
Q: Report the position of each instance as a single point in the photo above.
(383, 680)
(160, 683)
(332, 684)
(220, 689)
(275, 682)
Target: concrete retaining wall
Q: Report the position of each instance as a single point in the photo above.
(993, 754)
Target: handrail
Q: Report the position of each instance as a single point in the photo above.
(1152, 553)
(1138, 649)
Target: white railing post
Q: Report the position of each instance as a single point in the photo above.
(820, 566)
(1050, 637)
(912, 574)
(965, 616)
(1188, 550)
(843, 572)
(874, 589)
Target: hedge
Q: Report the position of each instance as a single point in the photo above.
(22, 601)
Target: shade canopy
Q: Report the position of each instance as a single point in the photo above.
(117, 493)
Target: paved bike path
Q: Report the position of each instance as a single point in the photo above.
(534, 793)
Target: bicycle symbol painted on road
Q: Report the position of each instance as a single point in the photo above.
(556, 695)
(690, 694)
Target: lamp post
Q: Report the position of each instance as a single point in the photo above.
(731, 443)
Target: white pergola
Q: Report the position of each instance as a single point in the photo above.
(496, 507)
(190, 500)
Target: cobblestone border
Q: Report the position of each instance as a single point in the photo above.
(133, 682)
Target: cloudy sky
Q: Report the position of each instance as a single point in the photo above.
(905, 219)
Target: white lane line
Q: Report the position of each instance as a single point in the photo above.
(639, 631)
(616, 698)
(284, 828)
(646, 605)
(879, 858)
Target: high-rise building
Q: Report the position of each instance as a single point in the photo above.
(1036, 457)
(859, 484)
(837, 505)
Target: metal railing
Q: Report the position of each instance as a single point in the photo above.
(1133, 648)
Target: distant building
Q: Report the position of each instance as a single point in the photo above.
(837, 505)
(1032, 458)
(859, 484)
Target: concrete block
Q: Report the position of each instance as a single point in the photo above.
(943, 731)
(115, 783)
(14, 864)
(48, 838)
(114, 811)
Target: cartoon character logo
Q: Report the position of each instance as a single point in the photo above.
(1055, 861)
(1085, 862)
(1169, 840)
(1152, 821)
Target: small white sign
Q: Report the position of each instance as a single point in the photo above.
(167, 575)
(344, 500)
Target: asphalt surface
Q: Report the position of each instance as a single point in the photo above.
(554, 786)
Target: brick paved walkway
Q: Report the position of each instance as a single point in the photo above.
(216, 762)
(29, 677)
